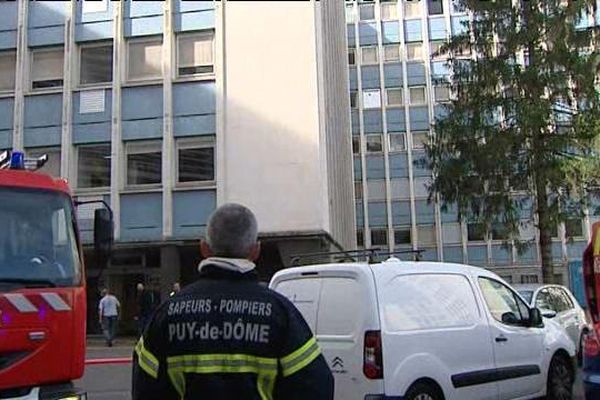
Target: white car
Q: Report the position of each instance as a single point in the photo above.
(558, 303)
(429, 331)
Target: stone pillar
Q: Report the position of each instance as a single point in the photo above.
(169, 269)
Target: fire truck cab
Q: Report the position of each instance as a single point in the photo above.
(42, 283)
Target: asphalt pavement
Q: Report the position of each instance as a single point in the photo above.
(112, 381)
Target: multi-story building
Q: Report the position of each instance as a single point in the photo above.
(166, 109)
(395, 96)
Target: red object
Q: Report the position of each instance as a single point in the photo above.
(42, 330)
(591, 346)
(373, 359)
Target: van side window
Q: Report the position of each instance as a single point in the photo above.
(503, 304)
(428, 301)
(341, 307)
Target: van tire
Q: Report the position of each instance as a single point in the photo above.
(560, 379)
(423, 391)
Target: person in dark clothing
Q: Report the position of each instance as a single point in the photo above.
(226, 336)
(145, 306)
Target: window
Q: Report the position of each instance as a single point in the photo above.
(441, 93)
(360, 238)
(499, 231)
(393, 97)
(358, 190)
(350, 14)
(414, 51)
(371, 99)
(374, 144)
(145, 60)
(144, 164)
(417, 95)
(94, 6)
(195, 163)
(543, 300)
(507, 278)
(475, 232)
(563, 300)
(429, 301)
(391, 52)
(335, 294)
(451, 233)
(195, 53)
(397, 142)
(529, 278)
(351, 56)
(435, 7)
(426, 235)
(573, 228)
(355, 144)
(369, 55)
(379, 237)
(402, 235)
(501, 302)
(419, 140)
(367, 12)
(8, 65)
(389, 11)
(353, 99)
(93, 166)
(47, 68)
(458, 7)
(412, 8)
(435, 49)
(95, 64)
(463, 51)
(52, 166)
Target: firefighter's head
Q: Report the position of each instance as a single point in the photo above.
(232, 232)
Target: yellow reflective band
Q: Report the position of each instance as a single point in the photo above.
(300, 358)
(264, 368)
(146, 360)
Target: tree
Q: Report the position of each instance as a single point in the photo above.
(525, 114)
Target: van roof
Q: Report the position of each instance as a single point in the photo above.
(390, 267)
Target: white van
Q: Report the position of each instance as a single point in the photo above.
(428, 331)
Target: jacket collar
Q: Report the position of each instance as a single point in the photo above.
(228, 264)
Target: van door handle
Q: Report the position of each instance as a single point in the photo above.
(501, 339)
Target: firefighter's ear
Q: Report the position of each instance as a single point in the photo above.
(205, 249)
(254, 252)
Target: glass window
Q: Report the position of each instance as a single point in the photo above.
(458, 7)
(391, 52)
(412, 9)
(475, 232)
(402, 235)
(145, 60)
(196, 164)
(435, 7)
(367, 12)
(355, 144)
(426, 235)
(529, 278)
(419, 140)
(371, 99)
(195, 53)
(96, 64)
(93, 166)
(8, 65)
(337, 293)
(414, 51)
(360, 238)
(52, 166)
(573, 228)
(428, 301)
(374, 144)
(507, 278)
(379, 237)
(358, 190)
(369, 55)
(499, 231)
(389, 11)
(47, 68)
(417, 95)
(543, 300)
(350, 14)
(144, 164)
(451, 233)
(560, 300)
(442, 93)
(394, 97)
(397, 142)
(501, 300)
(352, 56)
(353, 99)
(435, 49)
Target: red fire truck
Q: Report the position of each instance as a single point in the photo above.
(42, 282)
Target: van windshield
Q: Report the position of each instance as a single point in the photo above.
(37, 239)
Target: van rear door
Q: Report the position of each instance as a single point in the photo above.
(339, 303)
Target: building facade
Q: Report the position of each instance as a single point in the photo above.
(394, 99)
(166, 109)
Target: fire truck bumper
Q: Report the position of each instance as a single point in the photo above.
(54, 392)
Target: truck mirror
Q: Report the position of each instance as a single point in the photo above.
(103, 235)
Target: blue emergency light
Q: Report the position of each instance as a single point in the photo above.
(17, 160)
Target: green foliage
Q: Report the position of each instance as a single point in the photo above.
(514, 124)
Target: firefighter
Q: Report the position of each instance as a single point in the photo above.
(226, 336)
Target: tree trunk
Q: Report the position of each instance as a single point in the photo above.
(544, 227)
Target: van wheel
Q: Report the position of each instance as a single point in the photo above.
(423, 391)
(560, 379)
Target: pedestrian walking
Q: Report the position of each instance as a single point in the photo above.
(108, 315)
(226, 336)
(176, 289)
(145, 306)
